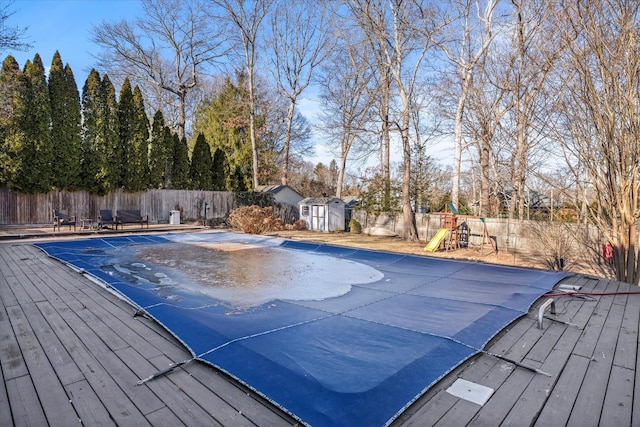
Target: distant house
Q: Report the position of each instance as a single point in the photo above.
(282, 193)
(323, 213)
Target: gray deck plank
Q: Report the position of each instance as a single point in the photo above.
(19, 278)
(552, 333)
(559, 406)
(6, 279)
(217, 408)
(587, 408)
(536, 393)
(586, 345)
(164, 417)
(91, 411)
(11, 358)
(627, 346)
(618, 402)
(24, 408)
(5, 407)
(235, 395)
(63, 364)
(495, 378)
(635, 413)
(56, 405)
(99, 378)
(189, 412)
(504, 398)
(96, 369)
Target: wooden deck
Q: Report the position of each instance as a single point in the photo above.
(71, 352)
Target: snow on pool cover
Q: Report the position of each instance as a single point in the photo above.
(332, 335)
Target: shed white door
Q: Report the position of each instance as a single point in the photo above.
(317, 217)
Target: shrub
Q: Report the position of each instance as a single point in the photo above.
(254, 219)
(553, 242)
(300, 224)
(354, 226)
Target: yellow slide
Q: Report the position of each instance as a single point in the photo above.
(434, 244)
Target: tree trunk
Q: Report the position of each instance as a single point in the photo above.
(457, 154)
(411, 231)
(485, 175)
(287, 142)
(343, 166)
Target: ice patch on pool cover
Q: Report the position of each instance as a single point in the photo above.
(249, 275)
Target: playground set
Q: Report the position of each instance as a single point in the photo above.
(452, 236)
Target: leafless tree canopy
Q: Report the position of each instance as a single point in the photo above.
(600, 111)
(167, 50)
(11, 37)
(298, 43)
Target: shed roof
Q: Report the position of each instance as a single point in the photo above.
(319, 201)
(276, 188)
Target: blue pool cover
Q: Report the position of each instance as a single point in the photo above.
(332, 335)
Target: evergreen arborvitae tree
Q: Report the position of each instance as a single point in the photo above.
(37, 153)
(12, 138)
(181, 163)
(168, 162)
(201, 163)
(219, 170)
(159, 152)
(126, 122)
(64, 101)
(224, 121)
(92, 133)
(238, 180)
(140, 141)
(112, 155)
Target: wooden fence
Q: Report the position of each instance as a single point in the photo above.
(27, 209)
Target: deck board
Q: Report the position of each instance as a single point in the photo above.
(56, 407)
(536, 393)
(618, 402)
(90, 409)
(23, 397)
(71, 352)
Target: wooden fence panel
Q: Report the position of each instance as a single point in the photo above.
(34, 209)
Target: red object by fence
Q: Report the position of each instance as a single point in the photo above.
(607, 251)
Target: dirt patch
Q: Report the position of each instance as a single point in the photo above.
(397, 244)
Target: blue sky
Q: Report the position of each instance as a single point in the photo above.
(65, 25)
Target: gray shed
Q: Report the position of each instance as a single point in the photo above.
(323, 213)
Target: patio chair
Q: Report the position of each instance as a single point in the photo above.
(61, 217)
(106, 218)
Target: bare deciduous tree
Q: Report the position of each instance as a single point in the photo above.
(485, 109)
(465, 51)
(299, 42)
(167, 48)
(345, 102)
(247, 20)
(535, 50)
(11, 37)
(600, 106)
(405, 32)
